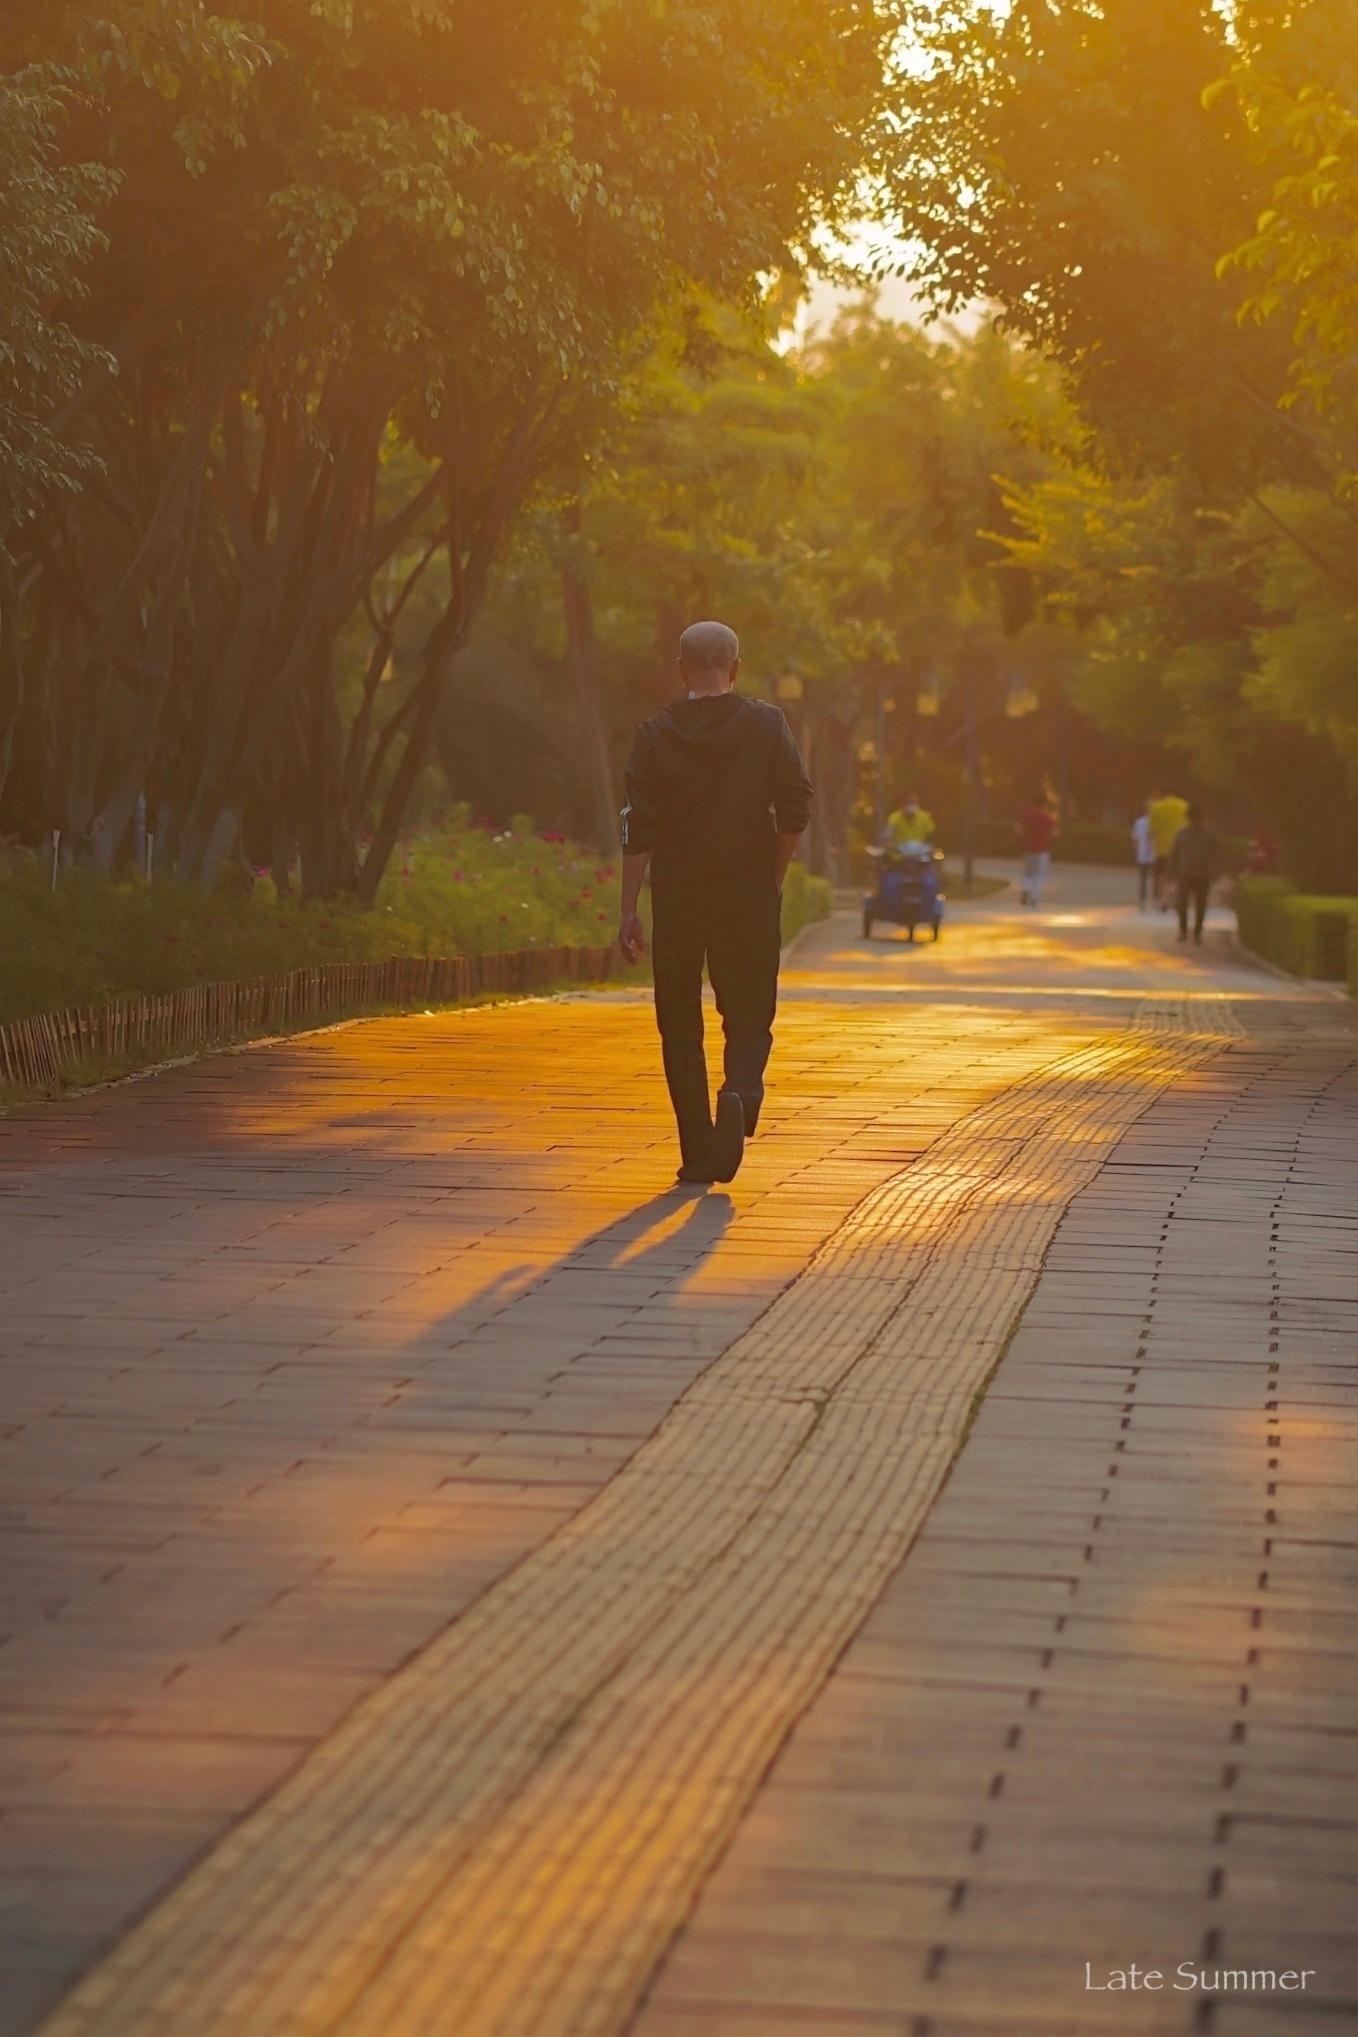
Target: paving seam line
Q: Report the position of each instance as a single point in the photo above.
(505, 1836)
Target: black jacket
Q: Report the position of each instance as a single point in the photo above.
(1193, 858)
(709, 782)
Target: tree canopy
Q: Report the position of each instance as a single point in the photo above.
(384, 382)
(1158, 195)
(334, 234)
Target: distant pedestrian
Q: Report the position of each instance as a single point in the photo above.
(1193, 864)
(1167, 813)
(717, 797)
(1037, 831)
(1143, 848)
(1263, 855)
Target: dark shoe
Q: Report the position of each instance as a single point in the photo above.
(728, 1136)
(692, 1173)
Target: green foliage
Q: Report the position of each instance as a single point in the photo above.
(48, 233)
(465, 890)
(389, 380)
(1296, 82)
(372, 267)
(1227, 636)
(837, 501)
(1306, 647)
(1095, 171)
(458, 890)
(1058, 160)
(480, 889)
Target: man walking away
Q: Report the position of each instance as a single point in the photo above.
(1037, 829)
(1193, 862)
(717, 796)
(1143, 848)
(1167, 814)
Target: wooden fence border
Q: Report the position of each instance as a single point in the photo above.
(36, 1052)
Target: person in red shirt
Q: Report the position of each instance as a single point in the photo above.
(1037, 831)
(1263, 860)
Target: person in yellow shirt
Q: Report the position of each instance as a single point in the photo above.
(1167, 814)
(910, 823)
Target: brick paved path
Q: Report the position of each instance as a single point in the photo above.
(332, 1372)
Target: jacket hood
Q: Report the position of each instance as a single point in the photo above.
(710, 724)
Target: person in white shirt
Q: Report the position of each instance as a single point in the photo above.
(1143, 847)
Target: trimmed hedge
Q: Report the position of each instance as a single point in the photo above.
(1256, 910)
(1093, 841)
(990, 836)
(1079, 841)
(1314, 936)
(805, 898)
(1306, 934)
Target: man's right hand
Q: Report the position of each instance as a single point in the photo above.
(784, 849)
(631, 936)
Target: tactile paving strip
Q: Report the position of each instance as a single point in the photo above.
(505, 1837)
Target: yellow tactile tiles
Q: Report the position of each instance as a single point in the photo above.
(505, 1836)
(1104, 1708)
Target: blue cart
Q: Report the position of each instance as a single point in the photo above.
(908, 891)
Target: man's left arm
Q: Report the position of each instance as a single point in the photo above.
(631, 933)
(791, 800)
(638, 839)
(784, 849)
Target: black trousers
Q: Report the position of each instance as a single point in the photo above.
(737, 934)
(1192, 891)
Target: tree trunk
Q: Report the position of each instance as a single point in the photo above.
(11, 664)
(582, 650)
(668, 625)
(815, 755)
(470, 553)
(446, 640)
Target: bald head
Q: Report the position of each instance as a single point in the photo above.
(709, 653)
